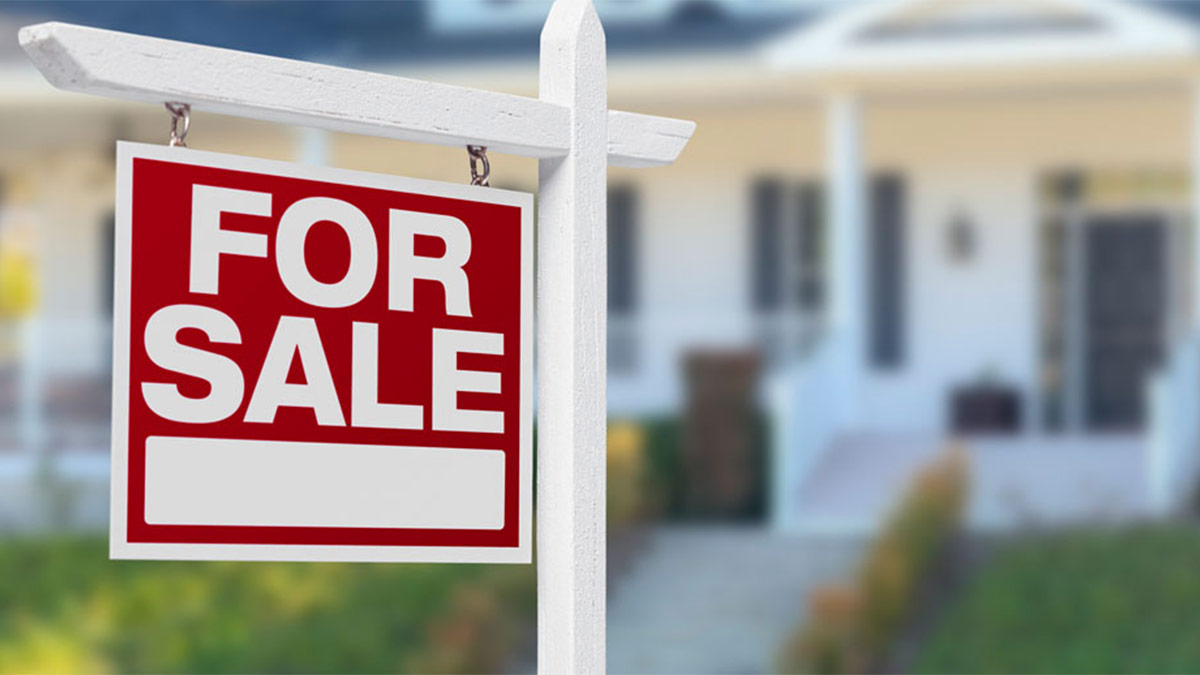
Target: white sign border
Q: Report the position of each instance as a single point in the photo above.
(121, 548)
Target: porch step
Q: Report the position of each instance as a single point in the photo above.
(856, 483)
(1054, 481)
(1015, 482)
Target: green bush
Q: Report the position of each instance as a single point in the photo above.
(665, 474)
(664, 466)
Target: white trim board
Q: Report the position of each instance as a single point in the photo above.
(139, 68)
(841, 44)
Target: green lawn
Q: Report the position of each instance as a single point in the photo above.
(65, 608)
(1123, 601)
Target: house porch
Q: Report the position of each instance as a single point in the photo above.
(854, 416)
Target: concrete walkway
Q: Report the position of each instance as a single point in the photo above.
(706, 599)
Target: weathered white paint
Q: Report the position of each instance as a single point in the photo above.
(139, 68)
(639, 141)
(572, 296)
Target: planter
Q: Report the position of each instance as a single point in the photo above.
(985, 408)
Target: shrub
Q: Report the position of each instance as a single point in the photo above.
(474, 635)
(665, 473)
(830, 641)
(851, 628)
(664, 467)
(897, 562)
(627, 478)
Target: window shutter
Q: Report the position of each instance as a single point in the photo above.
(887, 272)
(811, 210)
(622, 250)
(766, 216)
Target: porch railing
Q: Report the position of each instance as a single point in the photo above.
(1173, 452)
(803, 424)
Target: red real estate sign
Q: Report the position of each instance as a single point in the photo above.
(317, 364)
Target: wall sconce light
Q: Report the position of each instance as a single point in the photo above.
(961, 237)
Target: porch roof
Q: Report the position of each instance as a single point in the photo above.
(902, 44)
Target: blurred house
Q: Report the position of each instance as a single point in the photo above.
(932, 218)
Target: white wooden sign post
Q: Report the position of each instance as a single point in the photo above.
(574, 135)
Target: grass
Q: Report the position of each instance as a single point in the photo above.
(64, 607)
(1120, 601)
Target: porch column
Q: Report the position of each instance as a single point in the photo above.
(847, 270)
(312, 146)
(1194, 320)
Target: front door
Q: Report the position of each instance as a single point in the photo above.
(1124, 316)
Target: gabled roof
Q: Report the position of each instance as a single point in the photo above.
(358, 32)
(895, 35)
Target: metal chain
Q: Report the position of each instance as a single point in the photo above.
(179, 111)
(478, 153)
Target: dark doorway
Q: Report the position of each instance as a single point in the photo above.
(1124, 318)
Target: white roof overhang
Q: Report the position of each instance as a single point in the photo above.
(911, 43)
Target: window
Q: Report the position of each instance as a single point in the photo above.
(887, 277)
(622, 278)
(788, 263)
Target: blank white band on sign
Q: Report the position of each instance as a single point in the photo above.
(207, 481)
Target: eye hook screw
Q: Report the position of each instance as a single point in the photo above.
(179, 112)
(478, 154)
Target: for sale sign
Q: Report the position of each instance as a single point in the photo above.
(317, 364)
